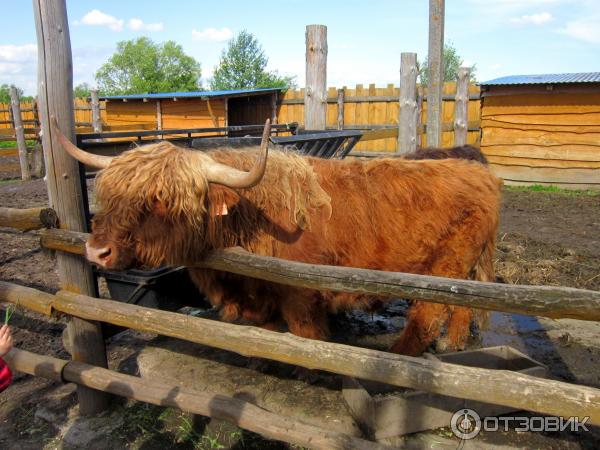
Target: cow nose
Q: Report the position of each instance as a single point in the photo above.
(100, 256)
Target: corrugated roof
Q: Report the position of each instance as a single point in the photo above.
(550, 78)
(193, 94)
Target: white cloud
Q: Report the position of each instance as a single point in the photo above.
(18, 66)
(534, 19)
(18, 53)
(495, 67)
(98, 18)
(138, 24)
(585, 29)
(212, 34)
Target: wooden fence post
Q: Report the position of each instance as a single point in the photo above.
(95, 104)
(55, 89)
(340, 105)
(435, 69)
(158, 115)
(407, 123)
(461, 106)
(15, 107)
(315, 94)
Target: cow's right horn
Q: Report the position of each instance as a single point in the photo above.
(238, 179)
(89, 159)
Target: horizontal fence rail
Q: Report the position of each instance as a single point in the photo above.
(492, 386)
(548, 301)
(163, 393)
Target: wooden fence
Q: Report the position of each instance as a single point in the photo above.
(491, 386)
(373, 108)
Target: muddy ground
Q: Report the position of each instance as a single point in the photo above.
(550, 238)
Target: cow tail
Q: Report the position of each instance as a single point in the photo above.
(484, 271)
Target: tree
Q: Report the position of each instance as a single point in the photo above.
(243, 66)
(141, 66)
(82, 90)
(452, 62)
(5, 94)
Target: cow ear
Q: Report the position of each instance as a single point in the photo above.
(159, 208)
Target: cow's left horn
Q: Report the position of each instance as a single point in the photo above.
(238, 179)
(89, 159)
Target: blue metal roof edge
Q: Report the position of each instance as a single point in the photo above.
(192, 94)
(552, 78)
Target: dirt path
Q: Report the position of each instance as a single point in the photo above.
(545, 238)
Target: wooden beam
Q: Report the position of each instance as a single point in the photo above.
(28, 219)
(340, 108)
(158, 115)
(491, 386)
(15, 105)
(548, 301)
(461, 106)
(164, 393)
(95, 106)
(55, 90)
(408, 120)
(435, 72)
(375, 98)
(212, 115)
(315, 93)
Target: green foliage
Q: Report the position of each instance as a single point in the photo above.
(5, 94)
(452, 62)
(243, 66)
(554, 189)
(141, 66)
(82, 90)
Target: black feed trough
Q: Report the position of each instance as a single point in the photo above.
(171, 288)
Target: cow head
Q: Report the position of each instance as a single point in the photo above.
(152, 201)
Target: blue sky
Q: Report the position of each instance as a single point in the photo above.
(365, 39)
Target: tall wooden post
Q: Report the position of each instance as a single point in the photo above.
(55, 90)
(407, 123)
(461, 106)
(341, 94)
(315, 94)
(435, 68)
(15, 107)
(96, 120)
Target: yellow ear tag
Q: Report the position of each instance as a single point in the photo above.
(223, 211)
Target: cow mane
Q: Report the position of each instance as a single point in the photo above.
(172, 179)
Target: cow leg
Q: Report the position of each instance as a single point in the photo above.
(423, 325)
(457, 256)
(458, 329)
(305, 314)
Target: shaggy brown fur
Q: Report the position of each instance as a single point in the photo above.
(467, 152)
(425, 217)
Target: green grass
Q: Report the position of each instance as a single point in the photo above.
(553, 189)
(12, 144)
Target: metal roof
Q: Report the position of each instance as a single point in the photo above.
(193, 94)
(550, 78)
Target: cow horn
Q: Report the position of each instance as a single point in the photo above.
(89, 159)
(227, 176)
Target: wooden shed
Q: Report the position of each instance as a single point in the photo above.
(543, 129)
(200, 109)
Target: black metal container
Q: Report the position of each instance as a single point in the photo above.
(167, 288)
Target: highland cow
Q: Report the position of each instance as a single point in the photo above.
(160, 204)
